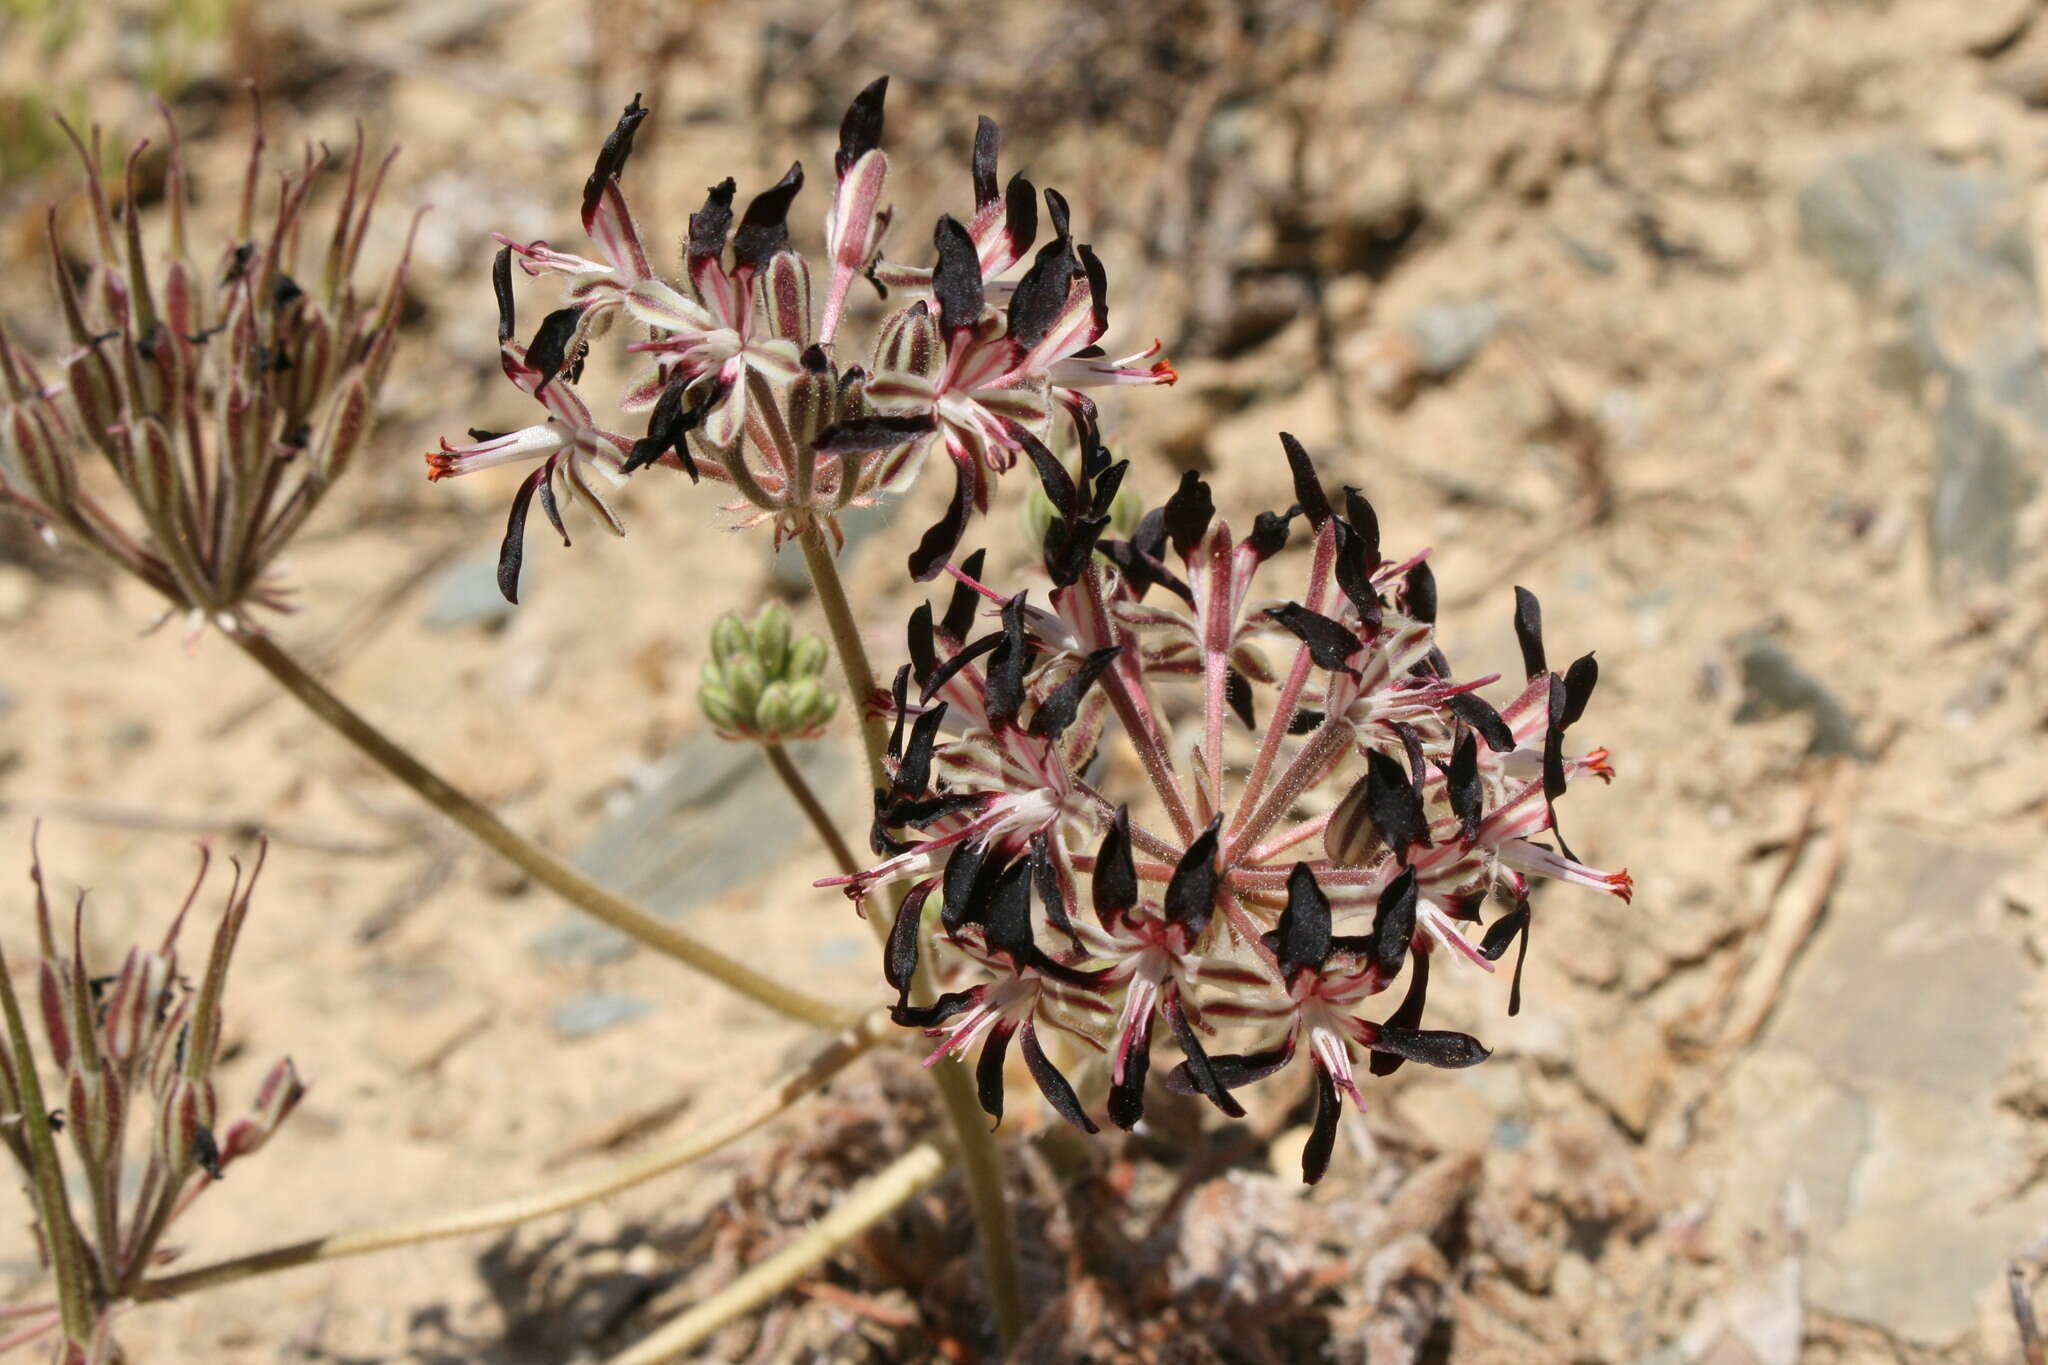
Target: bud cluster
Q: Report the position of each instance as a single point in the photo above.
(763, 683)
(227, 400)
(744, 375)
(132, 1054)
(1225, 904)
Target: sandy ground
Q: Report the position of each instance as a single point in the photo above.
(1660, 309)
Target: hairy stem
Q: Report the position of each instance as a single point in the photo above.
(826, 1063)
(543, 867)
(870, 1202)
(814, 810)
(980, 1160)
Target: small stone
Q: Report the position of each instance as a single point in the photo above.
(1450, 332)
(465, 594)
(594, 1012)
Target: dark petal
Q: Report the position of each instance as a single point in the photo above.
(860, 132)
(611, 158)
(481, 434)
(1188, 513)
(1304, 933)
(1308, 490)
(710, 224)
(1232, 1071)
(900, 694)
(1322, 1138)
(1058, 484)
(914, 773)
(1052, 1084)
(513, 548)
(1059, 709)
(1098, 287)
(1393, 927)
(943, 537)
(501, 285)
(1431, 1046)
(1504, 931)
(956, 283)
(1478, 713)
(1579, 681)
(1408, 1016)
(859, 435)
(1355, 565)
(1529, 631)
(1419, 596)
(669, 425)
(764, 230)
(960, 609)
(1069, 544)
(962, 874)
(1365, 524)
(1304, 720)
(1020, 213)
(1115, 885)
(988, 1072)
(1392, 805)
(899, 959)
(924, 654)
(921, 814)
(1045, 879)
(1056, 209)
(1107, 479)
(1521, 956)
(1127, 1096)
(880, 840)
(1411, 743)
(1009, 913)
(1191, 894)
(1553, 760)
(1329, 643)
(1269, 533)
(966, 655)
(1237, 692)
(1042, 293)
(1207, 1081)
(1138, 558)
(940, 1010)
(1467, 792)
(549, 351)
(205, 1151)
(1007, 664)
(988, 140)
(554, 513)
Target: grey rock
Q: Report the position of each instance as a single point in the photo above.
(465, 594)
(1876, 1087)
(1947, 250)
(1773, 684)
(1448, 333)
(594, 1012)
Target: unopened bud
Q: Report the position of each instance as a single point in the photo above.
(807, 658)
(771, 638)
(717, 706)
(773, 714)
(745, 679)
(729, 638)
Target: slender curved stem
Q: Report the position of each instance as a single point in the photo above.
(542, 866)
(980, 1160)
(813, 809)
(870, 1202)
(826, 1063)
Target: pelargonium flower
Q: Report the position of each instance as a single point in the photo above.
(1206, 913)
(743, 380)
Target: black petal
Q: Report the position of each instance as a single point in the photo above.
(962, 885)
(943, 537)
(1478, 713)
(940, 1010)
(1007, 664)
(513, 548)
(764, 230)
(1042, 293)
(1045, 879)
(988, 1071)
(1529, 631)
(1237, 691)
(1052, 475)
(1303, 937)
(1098, 287)
(1127, 1096)
(1579, 681)
(956, 283)
(611, 159)
(860, 132)
(1408, 1016)
(988, 140)
(1020, 213)
(501, 285)
(1232, 1071)
(1052, 1084)
(1304, 720)
(1205, 1078)
(924, 654)
(962, 657)
(1115, 885)
(859, 435)
(1392, 805)
(1431, 1046)
(1069, 543)
(1419, 596)
(899, 959)
(670, 424)
(1329, 643)
(1009, 913)
(1188, 513)
(1467, 792)
(1322, 1138)
(1308, 490)
(1191, 894)
(1393, 927)
(1269, 533)
(549, 351)
(1364, 524)
(900, 692)
(1059, 709)
(960, 609)
(1553, 759)
(914, 773)
(710, 224)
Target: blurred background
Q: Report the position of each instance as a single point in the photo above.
(1717, 325)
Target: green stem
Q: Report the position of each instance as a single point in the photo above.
(543, 867)
(813, 809)
(981, 1161)
(53, 1203)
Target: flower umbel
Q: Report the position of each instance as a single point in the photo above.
(1206, 913)
(745, 381)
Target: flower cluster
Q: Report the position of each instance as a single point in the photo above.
(764, 682)
(1063, 910)
(132, 1054)
(227, 402)
(742, 373)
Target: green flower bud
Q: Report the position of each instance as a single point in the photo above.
(729, 638)
(717, 706)
(771, 638)
(773, 714)
(713, 675)
(810, 704)
(808, 656)
(745, 679)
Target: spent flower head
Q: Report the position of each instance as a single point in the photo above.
(227, 397)
(1059, 909)
(747, 381)
(124, 1079)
